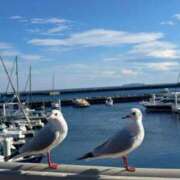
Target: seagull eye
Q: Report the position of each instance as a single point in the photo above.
(55, 114)
(133, 113)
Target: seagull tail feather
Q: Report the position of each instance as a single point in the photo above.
(86, 156)
(6, 158)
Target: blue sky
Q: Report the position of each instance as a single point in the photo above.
(91, 43)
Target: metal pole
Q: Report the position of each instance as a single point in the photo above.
(11, 73)
(15, 92)
(17, 76)
(30, 84)
(53, 81)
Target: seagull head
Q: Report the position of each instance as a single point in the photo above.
(55, 114)
(135, 114)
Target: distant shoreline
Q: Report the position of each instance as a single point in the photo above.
(97, 89)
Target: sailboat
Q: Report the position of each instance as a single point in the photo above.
(21, 107)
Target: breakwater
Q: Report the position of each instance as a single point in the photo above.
(92, 100)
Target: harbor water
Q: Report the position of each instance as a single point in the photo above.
(88, 127)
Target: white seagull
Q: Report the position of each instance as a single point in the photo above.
(52, 134)
(123, 142)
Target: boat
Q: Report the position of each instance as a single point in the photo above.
(12, 132)
(157, 105)
(81, 103)
(109, 101)
(7, 146)
(176, 105)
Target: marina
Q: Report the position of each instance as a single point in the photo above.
(104, 111)
(94, 114)
(89, 90)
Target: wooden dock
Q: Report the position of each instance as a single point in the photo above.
(29, 171)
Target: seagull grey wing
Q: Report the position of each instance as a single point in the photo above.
(42, 140)
(120, 142)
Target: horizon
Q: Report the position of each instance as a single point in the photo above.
(128, 86)
(91, 44)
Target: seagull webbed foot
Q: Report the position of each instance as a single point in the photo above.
(130, 169)
(53, 165)
(126, 166)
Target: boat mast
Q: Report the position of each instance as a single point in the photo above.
(53, 82)
(15, 92)
(11, 73)
(30, 84)
(17, 76)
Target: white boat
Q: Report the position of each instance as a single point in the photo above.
(15, 133)
(109, 101)
(7, 146)
(157, 105)
(176, 105)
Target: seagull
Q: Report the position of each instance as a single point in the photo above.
(52, 134)
(123, 142)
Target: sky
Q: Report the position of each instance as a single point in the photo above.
(90, 43)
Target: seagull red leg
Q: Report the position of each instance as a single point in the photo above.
(50, 163)
(125, 164)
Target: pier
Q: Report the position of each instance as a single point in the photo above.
(31, 171)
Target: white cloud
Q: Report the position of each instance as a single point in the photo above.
(168, 53)
(59, 23)
(128, 72)
(170, 23)
(13, 53)
(19, 19)
(9, 53)
(53, 20)
(7, 50)
(57, 29)
(109, 59)
(46, 42)
(173, 20)
(30, 57)
(5, 45)
(47, 26)
(157, 49)
(35, 30)
(99, 37)
(51, 31)
(78, 66)
(177, 16)
(154, 49)
(16, 17)
(162, 66)
(107, 73)
(154, 45)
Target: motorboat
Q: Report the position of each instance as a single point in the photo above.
(81, 103)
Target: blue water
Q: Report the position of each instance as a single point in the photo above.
(91, 126)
